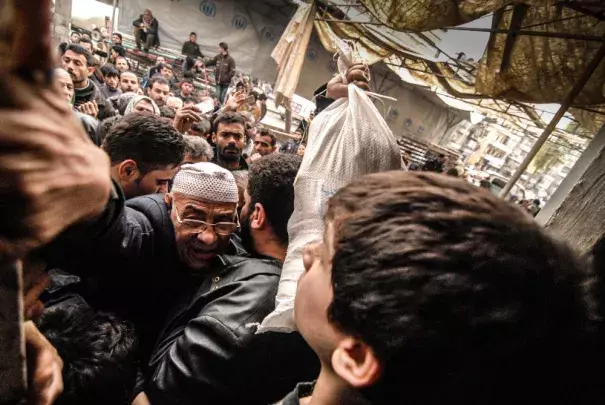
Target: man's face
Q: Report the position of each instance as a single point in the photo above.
(143, 107)
(167, 72)
(121, 64)
(147, 14)
(229, 140)
(129, 82)
(75, 65)
(155, 181)
(116, 39)
(87, 46)
(65, 85)
(159, 93)
(262, 145)
(112, 82)
(193, 38)
(314, 295)
(160, 59)
(196, 249)
(175, 103)
(74, 38)
(222, 51)
(187, 88)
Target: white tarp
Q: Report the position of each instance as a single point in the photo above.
(250, 35)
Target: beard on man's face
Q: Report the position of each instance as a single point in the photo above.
(230, 153)
(246, 236)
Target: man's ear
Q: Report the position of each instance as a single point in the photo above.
(214, 138)
(91, 70)
(168, 200)
(128, 170)
(274, 149)
(258, 217)
(356, 363)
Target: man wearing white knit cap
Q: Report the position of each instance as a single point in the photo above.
(169, 264)
(202, 194)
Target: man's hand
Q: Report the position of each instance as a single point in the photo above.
(254, 158)
(44, 367)
(185, 117)
(357, 74)
(90, 108)
(235, 101)
(51, 174)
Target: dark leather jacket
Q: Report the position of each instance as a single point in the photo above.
(225, 68)
(207, 336)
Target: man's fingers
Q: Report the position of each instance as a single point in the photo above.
(362, 85)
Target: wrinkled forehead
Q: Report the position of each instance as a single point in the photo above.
(184, 200)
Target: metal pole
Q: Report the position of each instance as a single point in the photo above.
(113, 15)
(590, 69)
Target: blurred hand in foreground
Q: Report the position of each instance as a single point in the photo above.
(44, 367)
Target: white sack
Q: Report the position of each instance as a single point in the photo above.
(346, 141)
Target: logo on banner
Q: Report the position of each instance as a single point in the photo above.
(312, 54)
(208, 8)
(393, 114)
(421, 130)
(332, 66)
(407, 123)
(239, 22)
(268, 34)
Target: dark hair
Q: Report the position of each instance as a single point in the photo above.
(98, 351)
(262, 96)
(536, 202)
(131, 72)
(149, 140)
(167, 112)
(271, 183)
(228, 118)
(80, 50)
(289, 147)
(265, 132)
(157, 79)
(109, 70)
(118, 35)
(193, 33)
(119, 49)
(106, 125)
(202, 126)
(224, 46)
(188, 100)
(165, 65)
(462, 297)
(85, 40)
(186, 80)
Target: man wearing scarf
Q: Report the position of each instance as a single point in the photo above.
(146, 29)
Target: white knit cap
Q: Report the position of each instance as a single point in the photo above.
(206, 181)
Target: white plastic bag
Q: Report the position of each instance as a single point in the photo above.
(346, 141)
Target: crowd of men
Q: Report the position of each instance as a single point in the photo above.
(157, 243)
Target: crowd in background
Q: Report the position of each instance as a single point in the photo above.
(160, 238)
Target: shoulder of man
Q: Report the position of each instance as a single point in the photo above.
(153, 207)
(250, 266)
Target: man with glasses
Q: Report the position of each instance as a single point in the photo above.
(167, 263)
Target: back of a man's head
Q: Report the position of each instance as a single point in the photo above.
(460, 295)
(151, 141)
(98, 352)
(271, 183)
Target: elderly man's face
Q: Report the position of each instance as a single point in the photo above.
(202, 229)
(144, 107)
(64, 83)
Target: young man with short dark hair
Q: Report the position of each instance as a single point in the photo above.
(77, 61)
(116, 38)
(429, 290)
(192, 51)
(158, 90)
(186, 89)
(229, 136)
(265, 143)
(112, 81)
(225, 70)
(122, 64)
(145, 153)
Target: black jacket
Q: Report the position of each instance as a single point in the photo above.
(225, 68)
(92, 93)
(192, 50)
(128, 262)
(154, 29)
(207, 350)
